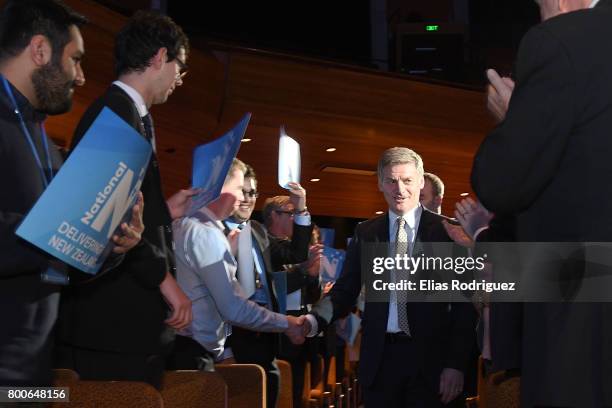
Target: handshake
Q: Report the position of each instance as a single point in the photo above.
(298, 329)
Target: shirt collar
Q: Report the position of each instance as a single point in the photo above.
(233, 223)
(594, 3)
(136, 97)
(411, 217)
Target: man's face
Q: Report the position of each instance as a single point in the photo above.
(54, 82)
(427, 197)
(282, 220)
(171, 76)
(231, 194)
(401, 185)
(247, 205)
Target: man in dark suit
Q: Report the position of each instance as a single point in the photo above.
(259, 255)
(117, 328)
(412, 353)
(40, 65)
(554, 135)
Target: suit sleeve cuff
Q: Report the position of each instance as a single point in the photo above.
(314, 325)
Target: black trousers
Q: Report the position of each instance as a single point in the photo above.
(251, 347)
(111, 366)
(188, 354)
(398, 383)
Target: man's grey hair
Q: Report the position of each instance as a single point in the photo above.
(273, 204)
(399, 155)
(437, 186)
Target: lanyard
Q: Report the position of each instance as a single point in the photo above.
(46, 176)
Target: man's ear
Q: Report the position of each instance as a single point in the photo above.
(438, 201)
(160, 58)
(40, 50)
(565, 6)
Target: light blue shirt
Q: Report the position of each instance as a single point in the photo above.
(206, 271)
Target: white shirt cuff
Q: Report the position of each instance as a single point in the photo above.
(479, 230)
(314, 325)
(302, 219)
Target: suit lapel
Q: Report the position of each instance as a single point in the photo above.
(263, 244)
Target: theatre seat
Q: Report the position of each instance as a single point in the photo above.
(64, 376)
(246, 385)
(191, 388)
(285, 397)
(111, 394)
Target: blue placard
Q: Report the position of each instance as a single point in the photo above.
(331, 264)
(328, 235)
(212, 161)
(75, 217)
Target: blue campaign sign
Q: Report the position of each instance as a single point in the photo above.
(331, 264)
(328, 235)
(211, 162)
(86, 201)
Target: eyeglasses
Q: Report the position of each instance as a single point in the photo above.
(251, 193)
(183, 69)
(289, 213)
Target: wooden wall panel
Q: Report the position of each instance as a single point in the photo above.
(361, 112)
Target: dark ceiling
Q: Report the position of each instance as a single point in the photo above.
(341, 30)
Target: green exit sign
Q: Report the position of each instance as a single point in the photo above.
(432, 28)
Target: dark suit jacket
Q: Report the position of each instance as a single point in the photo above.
(505, 318)
(276, 253)
(443, 335)
(123, 310)
(548, 163)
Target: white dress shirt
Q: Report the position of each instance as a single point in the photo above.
(412, 219)
(138, 101)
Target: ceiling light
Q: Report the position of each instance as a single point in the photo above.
(379, 212)
(314, 180)
(245, 140)
(464, 194)
(330, 149)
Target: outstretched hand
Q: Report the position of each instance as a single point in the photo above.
(298, 328)
(132, 232)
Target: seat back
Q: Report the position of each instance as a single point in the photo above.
(111, 394)
(246, 385)
(285, 398)
(192, 388)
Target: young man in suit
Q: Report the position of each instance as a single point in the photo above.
(553, 134)
(259, 255)
(412, 353)
(117, 327)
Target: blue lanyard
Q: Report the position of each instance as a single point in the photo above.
(46, 177)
